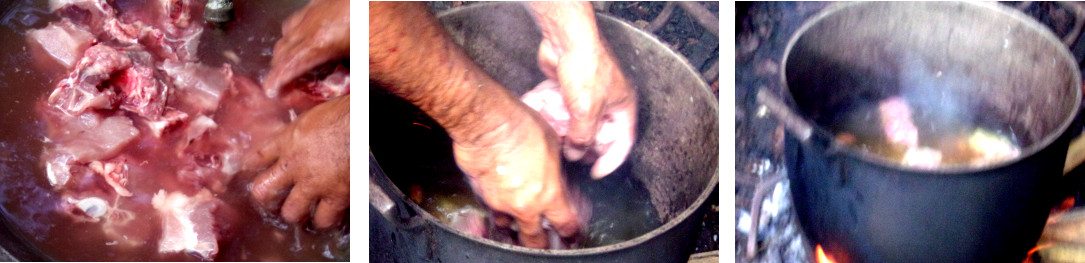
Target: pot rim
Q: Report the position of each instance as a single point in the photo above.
(681, 217)
(878, 160)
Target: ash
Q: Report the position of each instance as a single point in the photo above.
(780, 237)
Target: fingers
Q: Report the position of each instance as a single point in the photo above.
(263, 155)
(297, 58)
(584, 117)
(531, 232)
(298, 206)
(563, 217)
(502, 219)
(620, 132)
(293, 21)
(548, 59)
(271, 184)
(573, 152)
(328, 213)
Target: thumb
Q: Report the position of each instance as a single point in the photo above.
(584, 113)
(261, 156)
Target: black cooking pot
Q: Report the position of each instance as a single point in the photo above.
(675, 156)
(970, 61)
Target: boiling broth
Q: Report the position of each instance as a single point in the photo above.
(953, 136)
(30, 205)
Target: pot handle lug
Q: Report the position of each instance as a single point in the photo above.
(792, 122)
(1077, 9)
(377, 197)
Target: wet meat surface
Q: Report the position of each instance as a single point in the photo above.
(142, 138)
(62, 43)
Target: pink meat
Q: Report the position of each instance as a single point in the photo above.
(216, 155)
(83, 139)
(317, 86)
(136, 116)
(897, 122)
(141, 92)
(97, 140)
(199, 88)
(324, 84)
(79, 91)
(546, 99)
(470, 220)
(189, 223)
(59, 44)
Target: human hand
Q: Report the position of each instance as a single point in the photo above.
(316, 34)
(309, 166)
(516, 170)
(602, 105)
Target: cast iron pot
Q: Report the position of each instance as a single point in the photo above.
(972, 61)
(675, 156)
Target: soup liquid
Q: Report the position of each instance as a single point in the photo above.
(960, 140)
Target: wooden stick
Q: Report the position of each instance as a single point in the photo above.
(662, 18)
(702, 16)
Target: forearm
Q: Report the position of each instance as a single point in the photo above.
(412, 56)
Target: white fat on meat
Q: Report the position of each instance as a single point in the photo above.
(87, 12)
(334, 85)
(168, 119)
(198, 88)
(58, 169)
(61, 43)
(188, 223)
(92, 5)
(200, 125)
(115, 173)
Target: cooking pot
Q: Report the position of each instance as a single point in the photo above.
(969, 61)
(675, 156)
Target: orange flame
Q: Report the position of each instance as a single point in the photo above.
(822, 258)
(1032, 252)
